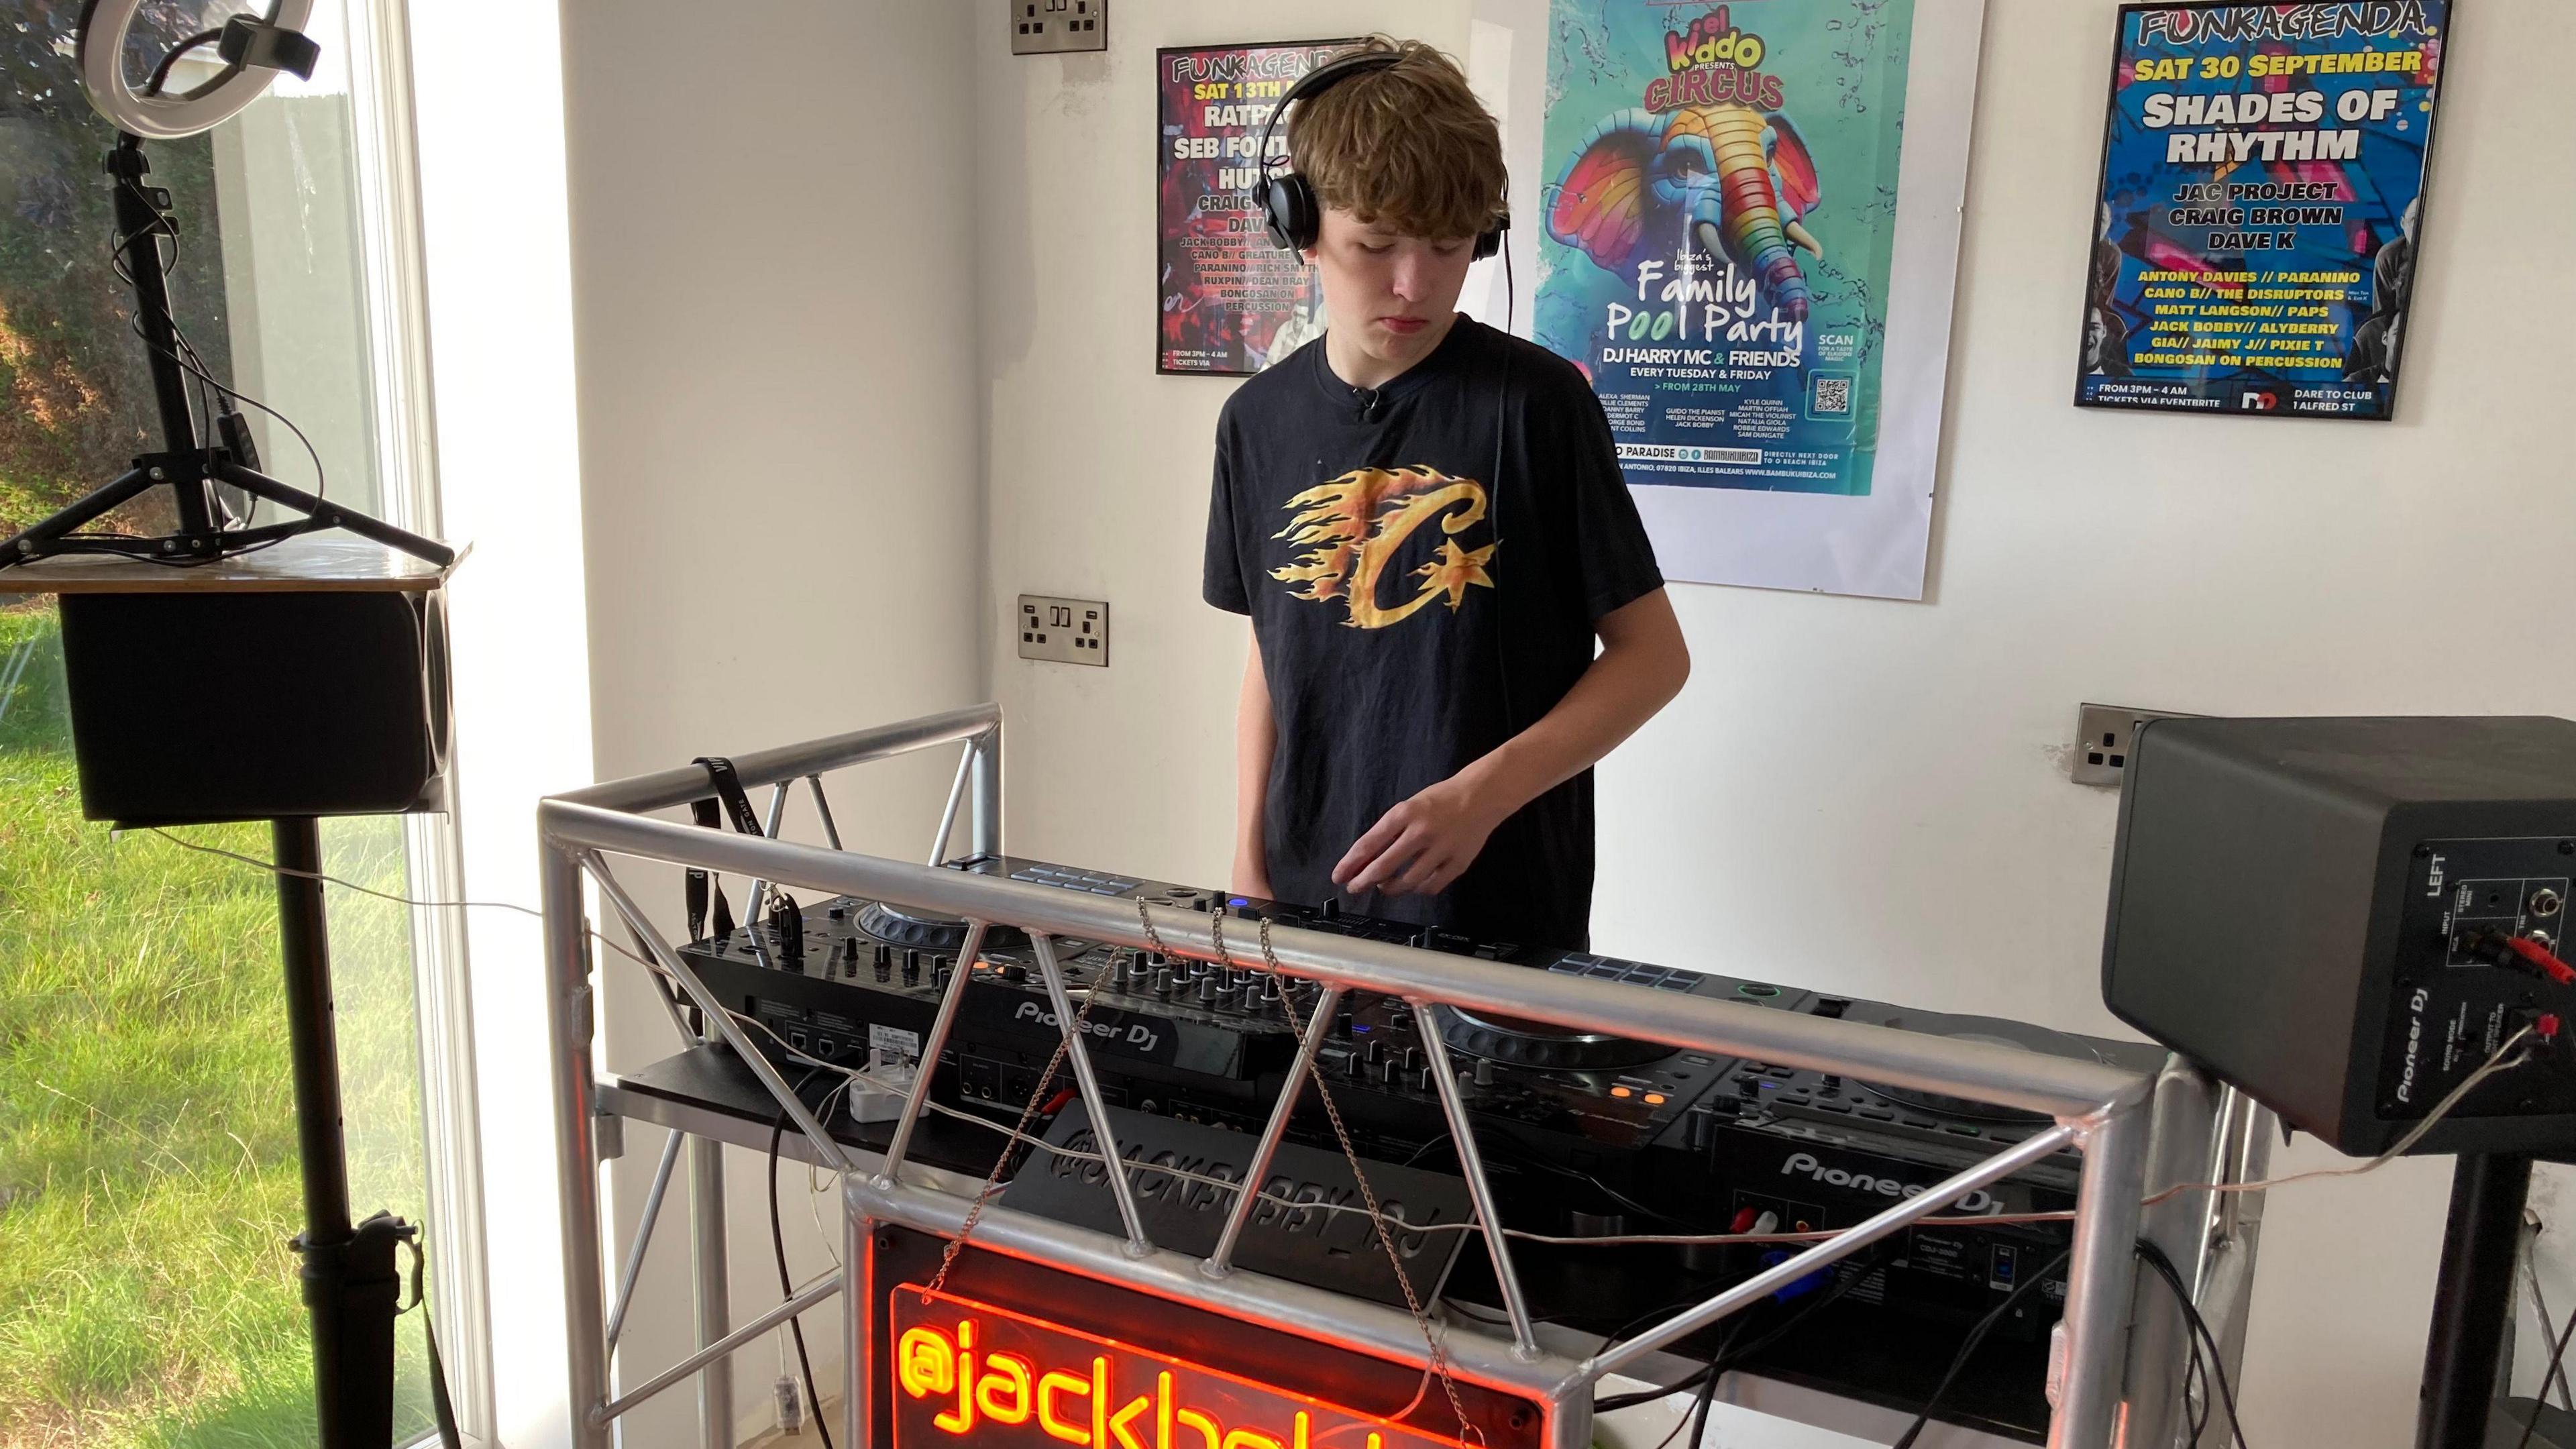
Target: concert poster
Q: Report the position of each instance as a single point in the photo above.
(2263, 172)
(1749, 245)
(1232, 303)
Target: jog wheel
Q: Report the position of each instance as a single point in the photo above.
(929, 931)
(1535, 1044)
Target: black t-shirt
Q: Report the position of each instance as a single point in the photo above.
(1424, 566)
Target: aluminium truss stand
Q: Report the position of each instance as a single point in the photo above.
(187, 465)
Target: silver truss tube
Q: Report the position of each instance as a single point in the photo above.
(665, 788)
(2101, 1278)
(711, 1286)
(2054, 1086)
(823, 810)
(858, 1320)
(806, 1297)
(1761, 1285)
(985, 829)
(914, 1101)
(2186, 1129)
(1334, 1318)
(643, 1236)
(825, 1145)
(760, 888)
(568, 1026)
(1112, 1161)
(956, 796)
(1247, 1193)
(1479, 1189)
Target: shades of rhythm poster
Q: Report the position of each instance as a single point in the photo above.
(2261, 206)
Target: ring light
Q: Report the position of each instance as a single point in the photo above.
(101, 56)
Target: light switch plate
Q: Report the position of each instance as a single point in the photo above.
(2104, 735)
(1068, 631)
(1052, 27)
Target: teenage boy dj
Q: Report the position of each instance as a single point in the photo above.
(1425, 520)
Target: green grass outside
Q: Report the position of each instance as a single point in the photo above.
(148, 1181)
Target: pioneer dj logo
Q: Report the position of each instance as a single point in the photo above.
(1977, 1201)
(1134, 1034)
(2415, 1005)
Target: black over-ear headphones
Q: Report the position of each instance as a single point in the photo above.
(1290, 210)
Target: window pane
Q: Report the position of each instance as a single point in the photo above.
(148, 1178)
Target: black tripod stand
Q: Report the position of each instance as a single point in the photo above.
(187, 465)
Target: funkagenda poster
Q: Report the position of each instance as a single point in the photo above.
(2261, 204)
(1751, 240)
(1232, 303)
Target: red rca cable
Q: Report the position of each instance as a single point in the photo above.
(2541, 959)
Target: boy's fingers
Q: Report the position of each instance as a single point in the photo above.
(1377, 872)
(1388, 829)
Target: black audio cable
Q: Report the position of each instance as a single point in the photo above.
(787, 1285)
(2216, 1368)
(1728, 1355)
(1968, 1347)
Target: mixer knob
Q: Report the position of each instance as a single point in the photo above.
(1484, 1072)
(884, 953)
(1270, 990)
(1332, 908)
(1412, 1058)
(1163, 982)
(940, 971)
(1208, 989)
(1833, 1083)
(1421, 1077)
(1341, 1023)
(911, 967)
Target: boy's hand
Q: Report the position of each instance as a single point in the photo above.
(1421, 846)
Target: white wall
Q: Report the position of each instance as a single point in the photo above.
(1863, 796)
(778, 405)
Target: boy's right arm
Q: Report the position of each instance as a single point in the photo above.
(1256, 739)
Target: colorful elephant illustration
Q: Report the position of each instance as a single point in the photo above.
(1740, 179)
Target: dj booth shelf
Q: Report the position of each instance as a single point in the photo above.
(2133, 1129)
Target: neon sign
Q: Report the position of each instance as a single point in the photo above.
(964, 1370)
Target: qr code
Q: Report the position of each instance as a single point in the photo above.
(1831, 399)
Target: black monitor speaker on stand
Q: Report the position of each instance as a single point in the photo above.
(2359, 923)
(226, 672)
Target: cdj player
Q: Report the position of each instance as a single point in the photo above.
(1585, 1136)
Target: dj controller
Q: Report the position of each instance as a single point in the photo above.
(1585, 1136)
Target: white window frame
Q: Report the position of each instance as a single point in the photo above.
(395, 298)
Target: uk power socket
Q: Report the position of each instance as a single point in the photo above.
(1052, 27)
(2104, 735)
(1067, 631)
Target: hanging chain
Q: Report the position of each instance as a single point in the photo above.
(1431, 1337)
(1028, 1113)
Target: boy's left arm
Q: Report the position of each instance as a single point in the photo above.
(1426, 842)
